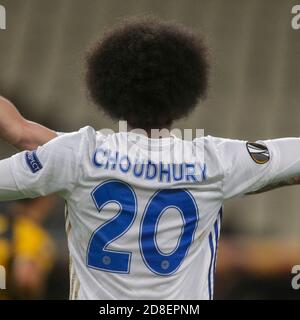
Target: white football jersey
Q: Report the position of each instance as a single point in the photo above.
(144, 215)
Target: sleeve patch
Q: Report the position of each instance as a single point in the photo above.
(258, 152)
(33, 161)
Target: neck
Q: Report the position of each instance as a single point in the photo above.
(152, 133)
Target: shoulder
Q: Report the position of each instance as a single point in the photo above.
(83, 133)
(73, 141)
(213, 144)
(225, 146)
(66, 147)
(223, 152)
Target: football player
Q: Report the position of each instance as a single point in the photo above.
(143, 213)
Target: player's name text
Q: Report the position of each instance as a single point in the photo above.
(161, 172)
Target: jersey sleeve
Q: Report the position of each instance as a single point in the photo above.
(248, 167)
(8, 188)
(52, 168)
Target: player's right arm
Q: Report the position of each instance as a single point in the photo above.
(53, 168)
(250, 168)
(19, 132)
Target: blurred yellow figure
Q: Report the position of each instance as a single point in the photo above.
(4, 243)
(26, 249)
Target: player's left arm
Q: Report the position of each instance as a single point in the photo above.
(279, 184)
(285, 158)
(251, 168)
(19, 132)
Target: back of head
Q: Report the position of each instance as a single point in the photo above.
(147, 72)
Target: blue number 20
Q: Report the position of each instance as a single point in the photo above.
(115, 191)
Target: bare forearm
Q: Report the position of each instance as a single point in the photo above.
(21, 133)
(35, 135)
(11, 122)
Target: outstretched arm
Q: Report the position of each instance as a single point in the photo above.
(279, 184)
(251, 168)
(19, 132)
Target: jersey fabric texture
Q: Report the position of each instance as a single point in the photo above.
(144, 215)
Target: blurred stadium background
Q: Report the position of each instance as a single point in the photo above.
(254, 95)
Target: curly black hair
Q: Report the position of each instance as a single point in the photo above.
(148, 72)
